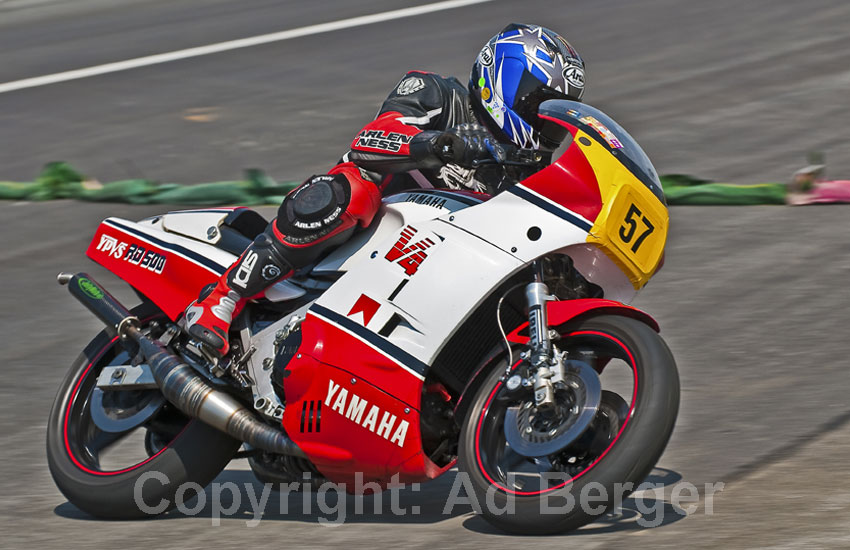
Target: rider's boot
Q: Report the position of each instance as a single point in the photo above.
(208, 318)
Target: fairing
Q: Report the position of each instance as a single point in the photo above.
(170, 258)
(606, 178)
(560, 313)
(167, 268)
(409, 282)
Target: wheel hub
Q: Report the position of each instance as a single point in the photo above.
(120, 411)
(534, 432)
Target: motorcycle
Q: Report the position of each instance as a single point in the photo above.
(525, 370)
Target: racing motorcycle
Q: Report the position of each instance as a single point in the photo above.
(526, 370)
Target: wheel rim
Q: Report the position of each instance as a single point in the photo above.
(86, 444)
(497, 462)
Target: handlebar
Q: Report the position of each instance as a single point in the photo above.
(510, 155)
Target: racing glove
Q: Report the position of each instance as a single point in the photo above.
(461, 145)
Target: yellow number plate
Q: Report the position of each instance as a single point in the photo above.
(633, 232)
(636, 231)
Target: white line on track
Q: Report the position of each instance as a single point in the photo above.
(234, 44)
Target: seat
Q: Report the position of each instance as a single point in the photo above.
(239, 228)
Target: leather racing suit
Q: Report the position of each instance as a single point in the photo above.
(394, 152)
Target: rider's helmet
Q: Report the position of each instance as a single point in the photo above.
(518, 69)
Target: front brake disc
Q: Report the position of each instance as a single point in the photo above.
(535, 433)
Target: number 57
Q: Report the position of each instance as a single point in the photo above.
(629, 227)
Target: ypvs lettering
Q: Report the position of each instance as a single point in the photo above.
(409, 257)
(111, 246)
(385, 141)
(352, 406)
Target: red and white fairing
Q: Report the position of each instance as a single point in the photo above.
(409, 281)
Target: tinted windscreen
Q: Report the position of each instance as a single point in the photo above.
(610, 135)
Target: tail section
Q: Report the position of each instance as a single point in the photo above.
(169, 269)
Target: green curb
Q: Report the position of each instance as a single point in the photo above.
(58, 180)
(680, 189)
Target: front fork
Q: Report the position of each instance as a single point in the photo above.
(540, 354)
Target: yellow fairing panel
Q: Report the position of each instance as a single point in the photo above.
(632, 226)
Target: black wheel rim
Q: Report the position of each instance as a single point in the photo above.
(86, 444)
(516, 474)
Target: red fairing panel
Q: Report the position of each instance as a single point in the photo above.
(166, 277)
(386, 135)
(332, 345)
(563, 311)
(570, 182)
(354, 432)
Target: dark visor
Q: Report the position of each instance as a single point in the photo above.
(531, 92)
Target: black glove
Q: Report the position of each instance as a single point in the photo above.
(465, 144)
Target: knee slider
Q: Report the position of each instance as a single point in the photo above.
(314, 209)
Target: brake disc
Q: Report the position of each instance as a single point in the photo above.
(534, 433)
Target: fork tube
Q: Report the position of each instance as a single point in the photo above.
(537, 294)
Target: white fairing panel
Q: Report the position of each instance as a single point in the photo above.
(457, 271)
(395, 212)
(505, 222)
(598, 268)
(509, 221)
(426, 276)
(388, 221)
(195, 224)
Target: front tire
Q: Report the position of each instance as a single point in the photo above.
(175, 449)
(615, 466)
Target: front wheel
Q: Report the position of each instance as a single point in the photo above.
(125, 454)
(527, 492)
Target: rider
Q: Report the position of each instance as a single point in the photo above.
(428, 133)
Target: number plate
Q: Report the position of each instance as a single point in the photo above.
(636, 230)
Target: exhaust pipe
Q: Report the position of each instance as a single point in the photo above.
(179, 383)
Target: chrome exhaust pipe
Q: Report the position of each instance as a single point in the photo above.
(179, 383)
(193, 395)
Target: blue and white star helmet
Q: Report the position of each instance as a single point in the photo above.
(518, 69)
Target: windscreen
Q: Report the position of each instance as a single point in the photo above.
(608, 133)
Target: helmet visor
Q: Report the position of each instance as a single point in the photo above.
(531, 92)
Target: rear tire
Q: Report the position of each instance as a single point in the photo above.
(628, 459)
(197, 453)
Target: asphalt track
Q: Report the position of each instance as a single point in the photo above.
(752, 300)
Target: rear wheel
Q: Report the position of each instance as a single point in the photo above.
(124, 454)
(625, 374)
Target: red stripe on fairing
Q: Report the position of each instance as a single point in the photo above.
(68, 416)
(592, 464)
(570, 181)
